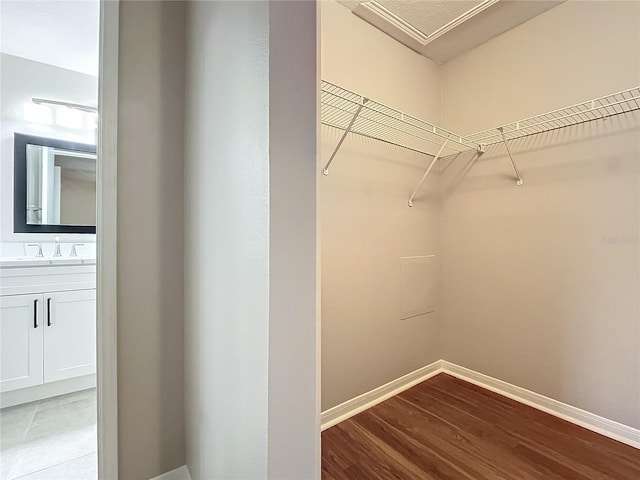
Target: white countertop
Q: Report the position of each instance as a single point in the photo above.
(21, 262)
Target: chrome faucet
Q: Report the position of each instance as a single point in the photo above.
(39, 245)
(74, 253)
(57, 253)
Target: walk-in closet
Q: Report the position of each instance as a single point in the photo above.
(479, 219)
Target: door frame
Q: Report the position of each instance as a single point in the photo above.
(106, 242)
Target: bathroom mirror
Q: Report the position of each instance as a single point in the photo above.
(54, 186)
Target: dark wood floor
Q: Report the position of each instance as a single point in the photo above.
(446, 428)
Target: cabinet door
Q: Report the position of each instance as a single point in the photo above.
(69, 334)
(21, 334)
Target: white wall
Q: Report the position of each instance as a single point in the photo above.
(250, 247)
(366, 225)
(541, 281)
(150, 239)
(20, 81)
(227, 239)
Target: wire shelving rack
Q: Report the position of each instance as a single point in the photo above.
(596, 109)
(354, 113)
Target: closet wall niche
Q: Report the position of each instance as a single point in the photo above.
(517, 257)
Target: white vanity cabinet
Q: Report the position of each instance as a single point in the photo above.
(21, 342)
(47, 326)
(69, 334)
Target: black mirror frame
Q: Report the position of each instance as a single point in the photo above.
(20, 224)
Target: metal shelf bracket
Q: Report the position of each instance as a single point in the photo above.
(426, 174)
(519, 180)
(325, 170)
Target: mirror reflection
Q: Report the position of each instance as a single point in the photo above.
(61, 186)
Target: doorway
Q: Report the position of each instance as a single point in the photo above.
(56, 312)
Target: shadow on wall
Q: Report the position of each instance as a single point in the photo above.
(541, 280)
(171, 235)
(378, 150)
(454, 176)
(455, 169)
(397, 162)
(150, 239)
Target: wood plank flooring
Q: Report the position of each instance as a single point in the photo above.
(445, 428)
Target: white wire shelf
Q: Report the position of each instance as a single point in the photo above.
(354, 113)
(596, 109)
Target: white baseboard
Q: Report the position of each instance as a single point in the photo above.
(367, 400)
(180, 473)
(39, 392)
(590, 421)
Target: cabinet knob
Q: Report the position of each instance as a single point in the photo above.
(35, 313)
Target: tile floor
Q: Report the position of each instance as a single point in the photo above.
(52, 439)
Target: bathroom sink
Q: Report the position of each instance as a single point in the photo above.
(13, 262)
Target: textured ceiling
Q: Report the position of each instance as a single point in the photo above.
(428, 16)
(56, 32)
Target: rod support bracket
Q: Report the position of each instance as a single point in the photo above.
(325, 170)
(424, 177)
(519, 180)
